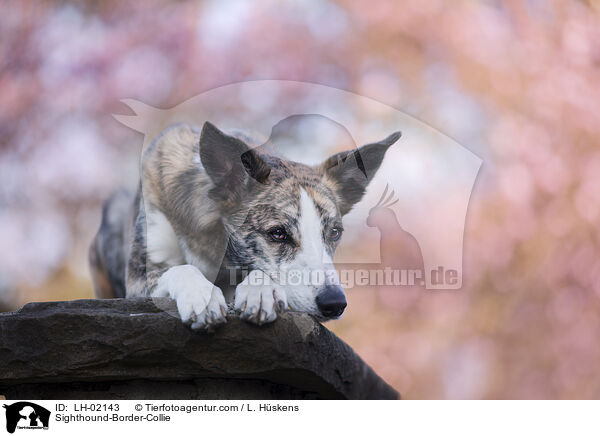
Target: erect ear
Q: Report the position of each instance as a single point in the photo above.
(230, 163)
(351, 171)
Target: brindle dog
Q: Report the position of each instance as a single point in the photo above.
(210, 203)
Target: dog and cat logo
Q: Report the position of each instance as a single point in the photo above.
(429, 177)
(26, 415)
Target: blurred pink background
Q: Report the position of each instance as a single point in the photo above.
(516, 82)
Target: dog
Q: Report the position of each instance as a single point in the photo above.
(210, 203)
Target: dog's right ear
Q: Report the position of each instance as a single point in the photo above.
(230, 163)
(351, 171)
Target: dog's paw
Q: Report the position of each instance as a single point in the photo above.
(258, 299)
(200, 303)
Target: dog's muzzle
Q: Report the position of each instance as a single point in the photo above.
(331, 301)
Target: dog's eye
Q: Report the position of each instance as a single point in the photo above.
(278, 234)
(334, 234)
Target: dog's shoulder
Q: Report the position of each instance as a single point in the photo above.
(176, 147)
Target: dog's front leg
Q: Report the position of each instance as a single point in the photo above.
(258, 299)
(199, 302)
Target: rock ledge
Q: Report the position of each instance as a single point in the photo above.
(139, 349)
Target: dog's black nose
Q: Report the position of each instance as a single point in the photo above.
(331, 301)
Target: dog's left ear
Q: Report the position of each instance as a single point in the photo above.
(230, 163)
(351, 171)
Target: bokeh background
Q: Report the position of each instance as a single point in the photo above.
(516, 82)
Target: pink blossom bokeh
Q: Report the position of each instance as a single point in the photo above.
(515, 82)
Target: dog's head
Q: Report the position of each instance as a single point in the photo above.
(285, 218)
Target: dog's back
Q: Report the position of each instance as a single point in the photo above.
(108, 252)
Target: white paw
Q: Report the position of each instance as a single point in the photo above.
(258, 299)
(200, 303)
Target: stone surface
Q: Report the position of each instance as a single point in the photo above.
(139, 349)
